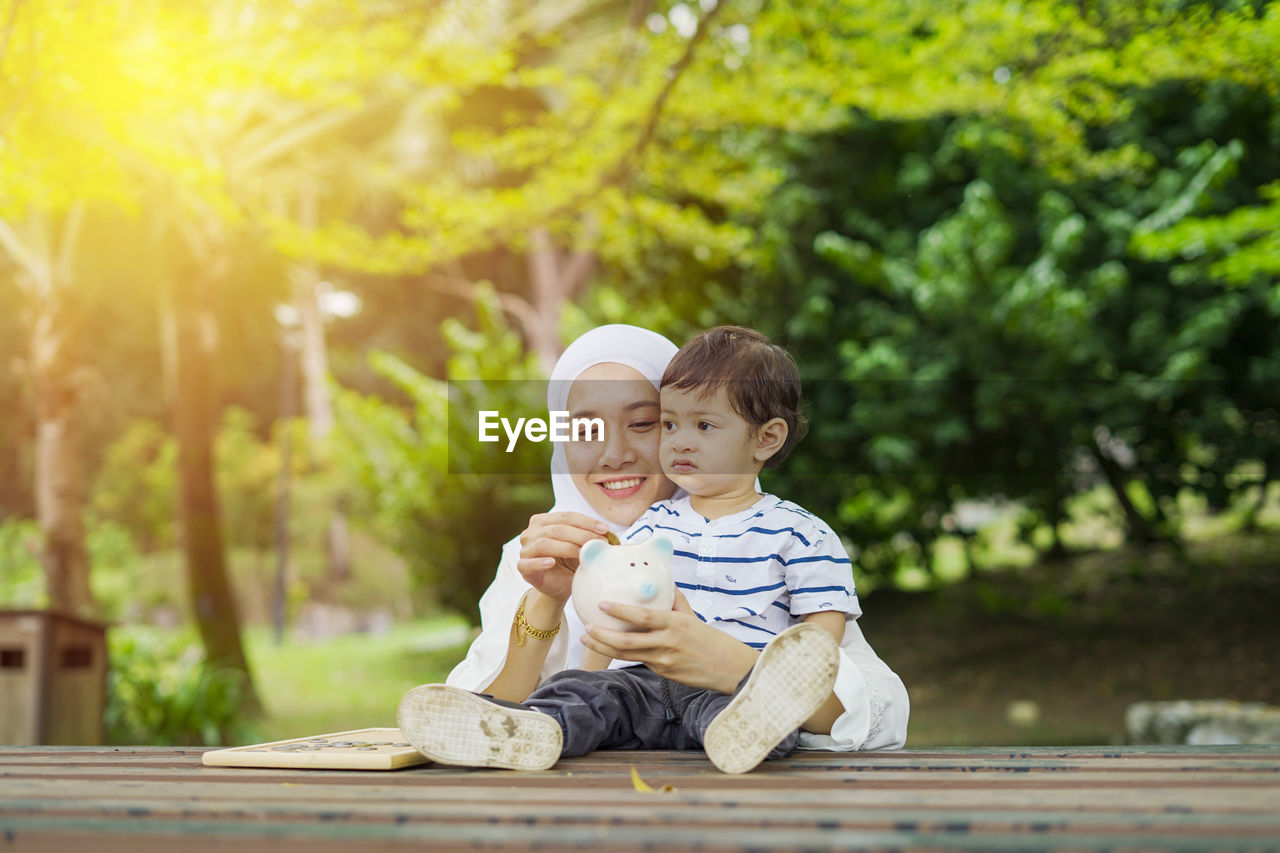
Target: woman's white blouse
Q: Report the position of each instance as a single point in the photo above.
(874, 697)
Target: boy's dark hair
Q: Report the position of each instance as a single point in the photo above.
(759, 377)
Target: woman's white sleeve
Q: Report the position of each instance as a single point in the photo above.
(488, 652)
(875, 701)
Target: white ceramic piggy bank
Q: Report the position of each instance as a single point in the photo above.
(628, 574)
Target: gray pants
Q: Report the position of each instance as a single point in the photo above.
(632, 708)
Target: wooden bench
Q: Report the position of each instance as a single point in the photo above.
(93, 799)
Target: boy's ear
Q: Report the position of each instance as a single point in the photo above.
(770, 438)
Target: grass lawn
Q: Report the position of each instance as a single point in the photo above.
(348, 682)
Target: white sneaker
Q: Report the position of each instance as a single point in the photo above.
(453, 726)
(790, 681)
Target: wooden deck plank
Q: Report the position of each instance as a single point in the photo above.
(640, 811)
(1121, 751)
(806, 762)
(915, 780)
(984, 799)
(1260, 799)
(194, 834)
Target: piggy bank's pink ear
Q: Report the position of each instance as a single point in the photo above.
(664, 546)
(592, 551)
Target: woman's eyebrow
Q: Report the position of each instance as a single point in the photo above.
(629, 407)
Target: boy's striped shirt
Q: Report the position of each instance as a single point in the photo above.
(753, 573)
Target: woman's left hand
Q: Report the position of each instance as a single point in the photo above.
(676, 644)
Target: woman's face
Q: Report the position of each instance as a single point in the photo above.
(618, 475)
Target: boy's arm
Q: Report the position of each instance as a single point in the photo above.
(832, 621)
(825, 717)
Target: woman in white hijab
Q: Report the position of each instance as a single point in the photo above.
(528, 634)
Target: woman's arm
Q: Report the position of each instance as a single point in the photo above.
(508, 663)
(594, 661)
(532, 629)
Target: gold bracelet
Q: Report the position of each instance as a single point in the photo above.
(521, 629)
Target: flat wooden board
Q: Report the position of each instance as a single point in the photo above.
(1039, 799)
(359, 749)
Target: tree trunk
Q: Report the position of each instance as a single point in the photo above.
(288, 371)
(59, 468)
(42, 247)
(555, 275)
(315, 386)
(1140, 530)
(194, 418)
(319, 406)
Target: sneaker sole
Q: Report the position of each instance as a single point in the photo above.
(790, 681)
(453, 726)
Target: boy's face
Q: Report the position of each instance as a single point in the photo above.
(706, 447)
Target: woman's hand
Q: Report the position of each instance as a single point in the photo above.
(676, 644)
(549, 550)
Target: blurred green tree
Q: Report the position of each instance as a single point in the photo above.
(447, 507)
(946, 246)
(980, 328)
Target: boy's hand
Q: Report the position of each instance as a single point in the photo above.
(676, 644)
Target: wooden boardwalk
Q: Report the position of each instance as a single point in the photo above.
(92, 799)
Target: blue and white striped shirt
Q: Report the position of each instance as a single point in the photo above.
(753, 573)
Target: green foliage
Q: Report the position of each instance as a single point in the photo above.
(160, 691)
(1240, 248)
(115, 569)
(248, 475)
(974, 323)
(248, 468)
(446, 506)
(119, 576)
(22, 578)
(136, 485)
(133, 507)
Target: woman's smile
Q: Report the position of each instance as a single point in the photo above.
(624, 488)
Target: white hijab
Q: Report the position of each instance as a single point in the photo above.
(644, 351)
